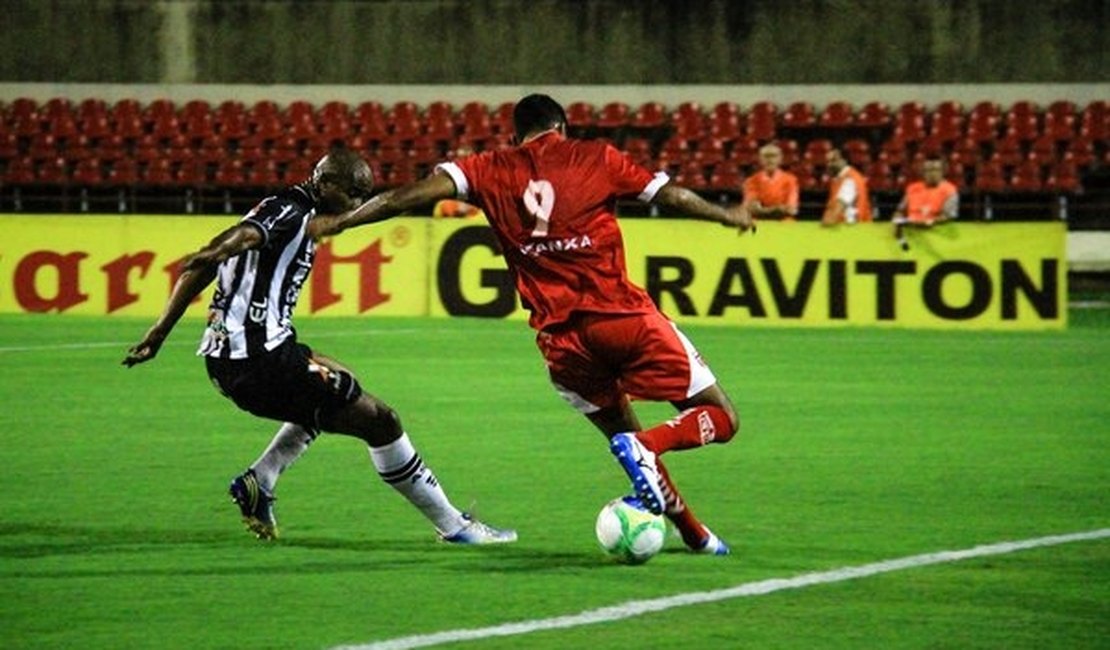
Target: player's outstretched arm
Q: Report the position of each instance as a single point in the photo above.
(424, 192)
(199, 269)
(690, 204)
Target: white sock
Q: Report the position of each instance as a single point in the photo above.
(289, 443)
(400, 466)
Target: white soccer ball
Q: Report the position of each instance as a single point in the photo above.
(628, 532)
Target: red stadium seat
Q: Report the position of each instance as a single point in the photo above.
(816, 150)
(639, 150)
(745, 152)
(1080, 151)
(55, 108)
(502, 117)
(43, 146)
(967, 150)
(263, 173)
(946, 127)
(799, 114)
(1026, 178)
(1008, 152)
(20, 171)
(406, 129)
(229, 173)
(189, 173)
(613, 115)
(263, 109)
(790, 153)
(297, 111)
(92, 107)
(52, 171)
(837, 114)
(858, 152)
(333, 111)
(299, 171)
(1059, 126)
(874, 114)
(726, 177)
(195, 108)
(23, 107)
(158, 173)
(688, 120)
(893, 151)
(88, 173)
(709, 151)
(989, 178)
(124, 173)
(9, 146)
(1063, 178)
(650, 115)
(881, 178)
(676, 148)
(692, 176)
(725, 127)
(95, 126)
(404, 111)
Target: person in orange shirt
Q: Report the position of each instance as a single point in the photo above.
(931, 199)
(927, 202)
(771, 193)
(849, 201)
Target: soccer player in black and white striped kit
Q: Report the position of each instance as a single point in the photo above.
(253, 356)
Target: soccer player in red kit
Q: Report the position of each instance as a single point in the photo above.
(551, 202)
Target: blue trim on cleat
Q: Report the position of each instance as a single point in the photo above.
(713, 545)
(256, 505)
(639, 464)
(476, 532)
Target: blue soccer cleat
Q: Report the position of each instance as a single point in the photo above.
(476, 532)
(256, 504)
(639, 463)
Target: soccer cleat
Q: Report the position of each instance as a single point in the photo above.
(476, 532)
(256, 504)
(713, 545)
(639, 463)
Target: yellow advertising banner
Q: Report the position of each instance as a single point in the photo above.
(960, 275)
(127, 265)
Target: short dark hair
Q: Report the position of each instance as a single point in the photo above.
(537, 113)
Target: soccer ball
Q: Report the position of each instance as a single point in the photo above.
(629, 532)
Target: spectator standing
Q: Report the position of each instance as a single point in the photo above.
(849, 201)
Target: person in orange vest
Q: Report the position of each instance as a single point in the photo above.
(849, 201)
(771, 193)
(927, 202)
(930, 200)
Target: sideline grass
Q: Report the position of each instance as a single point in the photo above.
(858, 445)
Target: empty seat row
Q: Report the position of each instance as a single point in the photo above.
(263, 144)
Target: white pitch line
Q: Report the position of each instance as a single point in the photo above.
(761, 588)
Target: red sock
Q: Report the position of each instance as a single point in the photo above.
(692, 531)
(691, 428)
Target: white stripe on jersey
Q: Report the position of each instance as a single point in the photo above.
(278, 326)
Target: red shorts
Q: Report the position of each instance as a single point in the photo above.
(596, 359)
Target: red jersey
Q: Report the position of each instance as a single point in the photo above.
(551, 202)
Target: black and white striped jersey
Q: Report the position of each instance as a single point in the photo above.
(256, 291)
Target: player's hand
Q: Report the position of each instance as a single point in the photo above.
(146, 349)
(740, 217)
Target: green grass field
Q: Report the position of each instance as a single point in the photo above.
(857, 446)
